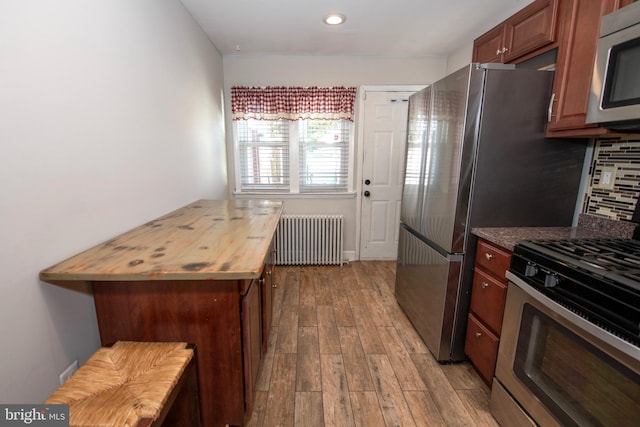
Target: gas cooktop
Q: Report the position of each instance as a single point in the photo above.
(598, 279)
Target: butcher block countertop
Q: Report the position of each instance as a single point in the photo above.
(205, 240)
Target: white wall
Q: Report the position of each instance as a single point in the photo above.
(111, 115)
(244, 70)
(459, 58)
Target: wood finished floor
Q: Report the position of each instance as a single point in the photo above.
(342, 353)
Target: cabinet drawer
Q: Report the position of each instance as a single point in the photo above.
(493, 259)
(487, 300)
(482, 348)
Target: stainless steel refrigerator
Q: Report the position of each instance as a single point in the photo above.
(476, 157)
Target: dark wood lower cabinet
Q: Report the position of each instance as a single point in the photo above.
(221, 317)
(481, 345)
(488, 296)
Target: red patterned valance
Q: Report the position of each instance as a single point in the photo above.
(292, 103)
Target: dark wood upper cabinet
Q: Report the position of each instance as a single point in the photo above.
(572, 27)
(529, 30)
(580, 26)
(488, 47)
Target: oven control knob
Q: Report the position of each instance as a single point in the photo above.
(551, 280)
(531, 270)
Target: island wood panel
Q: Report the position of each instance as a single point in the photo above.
(267, 282)
(204, 313)
(252, 340)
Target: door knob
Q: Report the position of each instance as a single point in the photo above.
(367, 181)
(367, 194)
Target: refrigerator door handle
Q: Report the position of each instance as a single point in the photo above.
(451, 257)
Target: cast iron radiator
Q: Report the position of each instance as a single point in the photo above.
(309, 240)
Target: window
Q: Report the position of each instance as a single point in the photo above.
(320, 151)
(324, 155)
(263, 152)
(296, 151)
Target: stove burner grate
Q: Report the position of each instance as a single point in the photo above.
(597, 278)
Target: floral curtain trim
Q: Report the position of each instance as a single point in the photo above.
(292, 103)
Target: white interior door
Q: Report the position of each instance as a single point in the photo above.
(384, 137)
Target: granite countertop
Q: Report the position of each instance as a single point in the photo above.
(205, 240)
(589, 226)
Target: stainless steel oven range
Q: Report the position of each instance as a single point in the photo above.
(570, 346)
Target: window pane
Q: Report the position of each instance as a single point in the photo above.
(324, 155)
(263, 147)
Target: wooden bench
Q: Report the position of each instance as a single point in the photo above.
(134, 384)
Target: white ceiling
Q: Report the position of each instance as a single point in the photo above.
(414, 28)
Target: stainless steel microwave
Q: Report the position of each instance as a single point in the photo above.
(614, 101)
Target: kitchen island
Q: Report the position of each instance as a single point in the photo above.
(201, 274)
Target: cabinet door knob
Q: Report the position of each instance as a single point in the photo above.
(498, 52)
(488, 256)
(484, 285)
(478, 334)
(261, 281)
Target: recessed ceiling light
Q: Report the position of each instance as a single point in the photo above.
(334, 19)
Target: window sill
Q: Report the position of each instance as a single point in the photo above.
(280, 196)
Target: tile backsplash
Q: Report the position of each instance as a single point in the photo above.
(620, 156)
